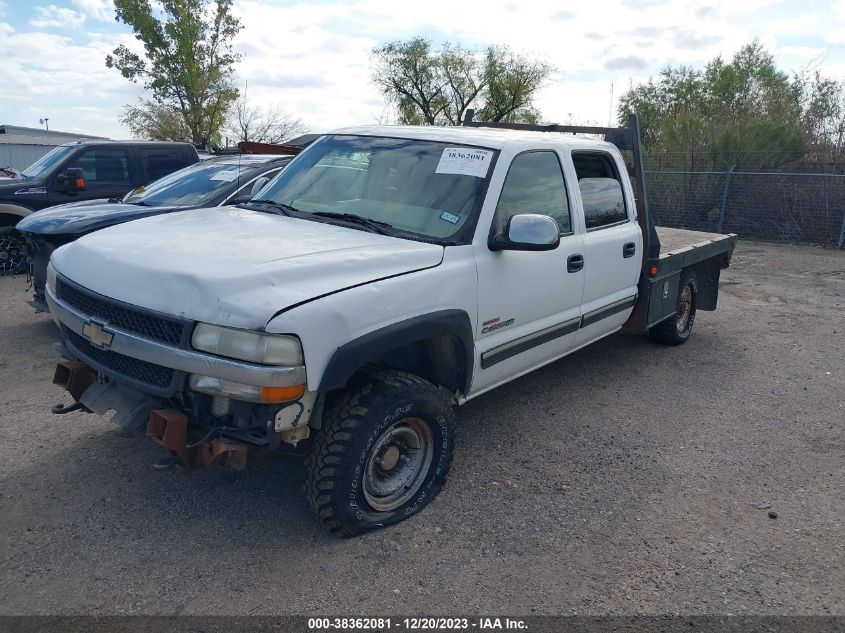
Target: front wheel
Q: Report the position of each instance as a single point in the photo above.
(382, 455)
(677, 329)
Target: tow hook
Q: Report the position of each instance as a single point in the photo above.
(169, 428)
(61, 409)
(74, 377)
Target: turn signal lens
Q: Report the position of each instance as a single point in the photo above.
(282, 394)
(653, 271)
(238, 391)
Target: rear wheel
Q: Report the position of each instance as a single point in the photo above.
(383, 453)
(677, 329)
(12, 260)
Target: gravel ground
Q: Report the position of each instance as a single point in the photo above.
(623, 479)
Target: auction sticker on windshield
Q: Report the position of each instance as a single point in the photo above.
(227, 176)
(464, 161)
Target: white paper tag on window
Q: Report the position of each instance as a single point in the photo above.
(227, 176)
(464, 161)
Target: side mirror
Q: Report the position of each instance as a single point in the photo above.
(527, 232)
(258, 185)
(74, 180)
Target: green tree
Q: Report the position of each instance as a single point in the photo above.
(187, 61)
(511, 81)
(409, 74)
(436, 87)
(744, 113)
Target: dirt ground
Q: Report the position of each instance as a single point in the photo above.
(626, 478)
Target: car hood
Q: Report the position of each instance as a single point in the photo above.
(9, 186)
(78, 218)
(234, 266)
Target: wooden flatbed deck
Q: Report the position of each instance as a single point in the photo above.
(674, 240)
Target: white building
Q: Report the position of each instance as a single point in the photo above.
(22, 146)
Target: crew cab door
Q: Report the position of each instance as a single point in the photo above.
(528, 301)
(612, 243)
(107, 172)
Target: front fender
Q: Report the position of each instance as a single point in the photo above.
(350, 357)
(17, 210)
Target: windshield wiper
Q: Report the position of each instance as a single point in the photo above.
(284, 209)
(375, 226)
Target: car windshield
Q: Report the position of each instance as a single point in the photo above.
(419, 187)
(197, 184)
(48, 161)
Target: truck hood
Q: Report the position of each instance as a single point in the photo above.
(78, 218)
(233, 266)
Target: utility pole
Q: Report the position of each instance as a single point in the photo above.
(45, 122)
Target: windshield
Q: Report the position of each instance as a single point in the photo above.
(420, 187)
(48, 161)
(194, 185)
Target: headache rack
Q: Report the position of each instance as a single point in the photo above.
(624, 138)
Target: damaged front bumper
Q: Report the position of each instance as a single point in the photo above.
(189, 361)
(112, 368)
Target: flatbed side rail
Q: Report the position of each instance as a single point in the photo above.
(625, 138)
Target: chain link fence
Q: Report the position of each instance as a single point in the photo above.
(807, 208)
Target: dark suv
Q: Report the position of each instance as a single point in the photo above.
(81, 171)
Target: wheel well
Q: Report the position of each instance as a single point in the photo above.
(707, 278)
(442, 359)
(438, 359)
(9, 219)
(437, 346)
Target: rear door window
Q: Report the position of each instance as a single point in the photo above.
(161, 161)
(601, 190)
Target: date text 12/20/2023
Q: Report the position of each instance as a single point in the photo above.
(416, 624)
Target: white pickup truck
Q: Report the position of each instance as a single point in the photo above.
(388, 274)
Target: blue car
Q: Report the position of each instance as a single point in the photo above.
(210, 183)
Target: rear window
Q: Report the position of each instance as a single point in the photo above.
(160, 161)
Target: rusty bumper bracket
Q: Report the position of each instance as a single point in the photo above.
(74, 377)
(169, 428)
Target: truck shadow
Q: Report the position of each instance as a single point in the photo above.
(108, 485)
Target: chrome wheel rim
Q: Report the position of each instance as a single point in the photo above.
(684, 309)
(398, 464)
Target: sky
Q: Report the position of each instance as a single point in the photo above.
(312, 59)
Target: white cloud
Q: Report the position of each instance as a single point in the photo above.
(313, 59)
(52, 16)
(97, 9)
(332, 42)
(46, 74)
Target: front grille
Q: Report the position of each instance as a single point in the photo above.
(120, 366)
(151, 326)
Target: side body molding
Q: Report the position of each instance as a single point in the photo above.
(353, 355)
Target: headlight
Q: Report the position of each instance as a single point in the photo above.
(51, 277)
(268, 349)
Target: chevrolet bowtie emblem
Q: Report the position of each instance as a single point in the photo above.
(95, 333)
